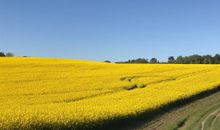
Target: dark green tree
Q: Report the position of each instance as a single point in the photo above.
(154, 60)
(195, 59)
(171, 59)
(2, 54)
(217, 59)
(107, 61)
(208, 59)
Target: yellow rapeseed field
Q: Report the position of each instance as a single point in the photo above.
(46, 93)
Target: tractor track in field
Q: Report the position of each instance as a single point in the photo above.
(166, 78)
(214, 121)
(203, 122)
(127, 79)
(135, 85)
(203, 118)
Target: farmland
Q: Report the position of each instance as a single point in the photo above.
(49, 93)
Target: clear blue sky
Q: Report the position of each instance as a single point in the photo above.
(109, 29)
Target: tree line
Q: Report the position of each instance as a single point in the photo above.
(8, 54)
(193, 59)
(141, 60)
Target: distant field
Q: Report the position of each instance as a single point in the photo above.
(44, 93)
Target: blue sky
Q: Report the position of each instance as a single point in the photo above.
(109, 29)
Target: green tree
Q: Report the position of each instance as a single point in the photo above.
(217, 59)
(2, 54)
(154, 60)
(208, 59)
(107, 61)
(171, 59)
(179, 60)
(195, 59)
(9, 54)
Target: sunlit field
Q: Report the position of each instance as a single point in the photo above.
(44, 93)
